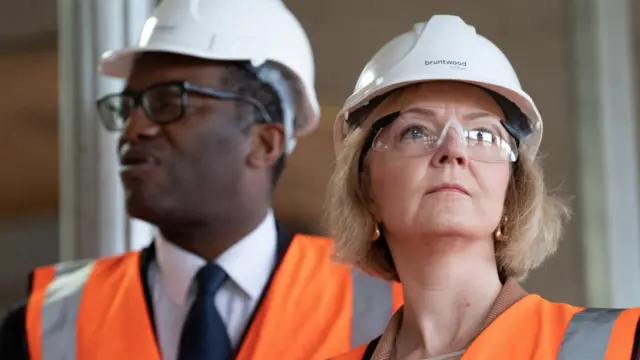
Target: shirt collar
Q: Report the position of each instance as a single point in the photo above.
(249, 262)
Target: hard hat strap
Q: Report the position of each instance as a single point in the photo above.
(272, 75)
(516, 122)
(376, 127)
(356, 118)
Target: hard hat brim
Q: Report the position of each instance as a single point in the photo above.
(120, 63)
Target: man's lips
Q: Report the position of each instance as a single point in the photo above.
(133, 158)
(135, 166)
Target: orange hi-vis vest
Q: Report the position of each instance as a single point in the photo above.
(537, 329)
(312, 308)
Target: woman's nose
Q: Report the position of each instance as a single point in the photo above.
(452, 149)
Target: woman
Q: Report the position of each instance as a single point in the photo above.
(437, 185)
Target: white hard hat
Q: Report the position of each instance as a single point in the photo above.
(443, 48)
(256, 31)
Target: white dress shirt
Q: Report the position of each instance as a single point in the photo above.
(249, 264)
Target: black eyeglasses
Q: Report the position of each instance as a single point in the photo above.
(162, 103)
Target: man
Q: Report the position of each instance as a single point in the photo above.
(216, 92)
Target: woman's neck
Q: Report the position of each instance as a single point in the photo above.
(449, 288)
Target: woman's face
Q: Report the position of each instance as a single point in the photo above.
(444, 191)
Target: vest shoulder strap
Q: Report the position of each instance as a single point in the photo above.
(373, 300)
(42, 276)
(55, 302)
(558, 331)
(323, 300)
(596, 333)
(53, 307)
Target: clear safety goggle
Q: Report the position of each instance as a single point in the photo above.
(419, 131)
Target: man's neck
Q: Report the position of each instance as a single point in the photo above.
(449, 288)
(211, 239)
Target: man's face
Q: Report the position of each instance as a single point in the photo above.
(191, 170)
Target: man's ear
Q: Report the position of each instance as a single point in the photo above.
(267, 145)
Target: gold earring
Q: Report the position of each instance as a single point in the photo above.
(376, 232)
(500, 234)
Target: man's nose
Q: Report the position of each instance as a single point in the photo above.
(138, 127)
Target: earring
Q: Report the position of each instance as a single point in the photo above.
(376, 233)
(500, 234)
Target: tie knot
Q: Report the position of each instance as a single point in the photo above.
(210, 279)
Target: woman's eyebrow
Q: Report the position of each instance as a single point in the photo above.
(432, 112)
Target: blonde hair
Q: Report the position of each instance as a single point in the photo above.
(534, 218)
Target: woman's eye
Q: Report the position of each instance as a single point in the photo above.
(485, 130)
(484, 135)
(413, 132)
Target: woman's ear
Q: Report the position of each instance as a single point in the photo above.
(267, 145)
(375, 212)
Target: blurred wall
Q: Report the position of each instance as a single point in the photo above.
(635, 14)
(28, 162)
(27, 241)
(29, 123)
(24, 18)
(344, 34)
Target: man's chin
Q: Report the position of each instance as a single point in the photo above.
(142, 208)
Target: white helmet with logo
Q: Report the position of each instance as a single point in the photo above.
(255, 31)
(443, 48)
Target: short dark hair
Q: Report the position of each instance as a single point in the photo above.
(242, 81)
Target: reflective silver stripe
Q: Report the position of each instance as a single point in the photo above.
(60, 310)
(372, 307)
(587, 335)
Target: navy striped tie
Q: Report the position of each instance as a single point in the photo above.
(204, 335)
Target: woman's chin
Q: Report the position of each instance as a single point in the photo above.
(449, 225)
